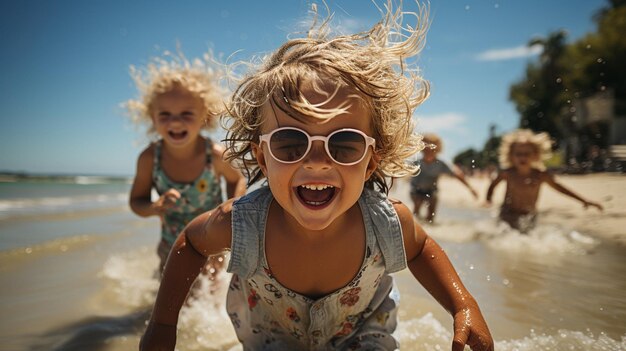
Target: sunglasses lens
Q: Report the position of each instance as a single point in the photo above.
(289, 145)
(347, 147)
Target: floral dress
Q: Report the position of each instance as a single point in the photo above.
(197, 197)
(361, 315)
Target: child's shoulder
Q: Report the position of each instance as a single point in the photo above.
(399, 206)
(146, 157)
(149, 149)
(211, 232)
(217, 149)
(405, 215)
(542, 174)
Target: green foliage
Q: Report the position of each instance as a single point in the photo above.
(564, 74)
(596, 61)
(489, 155)
(467, 159)
(472, 158)
(541, 96)
(555, 161)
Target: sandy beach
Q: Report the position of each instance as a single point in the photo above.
(609, 189)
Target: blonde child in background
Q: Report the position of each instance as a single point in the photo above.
(424, 185)
(521, 156)
(324, 121)
(178, 101)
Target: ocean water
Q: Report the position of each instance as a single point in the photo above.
(77, 272)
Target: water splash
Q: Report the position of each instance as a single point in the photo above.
(544, 240)
(204, 323)
(424, 333)
(564, 340)
(130, 277)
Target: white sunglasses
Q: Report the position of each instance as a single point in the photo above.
(345, 146)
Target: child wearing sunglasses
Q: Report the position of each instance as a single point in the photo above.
(179, 101)
(325, 121)
(521, 155)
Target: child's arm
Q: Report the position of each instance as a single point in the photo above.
(549, 178)
(140, 194)
(235, 181)
(492, 186)
(208, 234)
(432, 268)
(458, 174)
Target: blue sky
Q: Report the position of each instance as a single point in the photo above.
(64, 66)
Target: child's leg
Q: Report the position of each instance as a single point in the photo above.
(163, 250)
(432, 207)
(518, 220)
(417, 203)
(509, 217)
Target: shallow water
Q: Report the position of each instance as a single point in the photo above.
(80, 276)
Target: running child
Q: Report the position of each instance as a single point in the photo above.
(325, 122)
(521, 156)
(179, 100)
(424, 185)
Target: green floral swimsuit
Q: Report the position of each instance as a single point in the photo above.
(197, 197)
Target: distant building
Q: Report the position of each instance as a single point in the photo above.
(596, 125)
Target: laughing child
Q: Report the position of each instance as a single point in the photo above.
(521, 156)
(325, 121)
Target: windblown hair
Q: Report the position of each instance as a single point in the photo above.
(539, 141)
(173, 71)
(372, 64)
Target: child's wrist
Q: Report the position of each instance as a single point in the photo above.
(153, 209)
(467, 303)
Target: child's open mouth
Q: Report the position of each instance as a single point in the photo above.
(177, 135)
(316, 195)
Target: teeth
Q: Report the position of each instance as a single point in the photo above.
(317, 186)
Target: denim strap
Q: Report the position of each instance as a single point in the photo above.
(248, 218)
(380, 215)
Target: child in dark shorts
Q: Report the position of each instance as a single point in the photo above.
(424, 185)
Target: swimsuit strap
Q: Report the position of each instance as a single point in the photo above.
(156, 162)
(209, 150)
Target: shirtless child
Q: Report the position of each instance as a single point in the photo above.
(521, 160)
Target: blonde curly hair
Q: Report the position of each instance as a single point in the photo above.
(168, 72)
(372, 63)
(541, 143)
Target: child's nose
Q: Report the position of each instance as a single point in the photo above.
(317, 158)
(176, 119)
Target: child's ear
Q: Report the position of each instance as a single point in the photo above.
(372, 165)
(258, 153)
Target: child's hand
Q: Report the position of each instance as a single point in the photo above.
(158, 337)
(166, 201)
(471, 329)
(594, 204)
